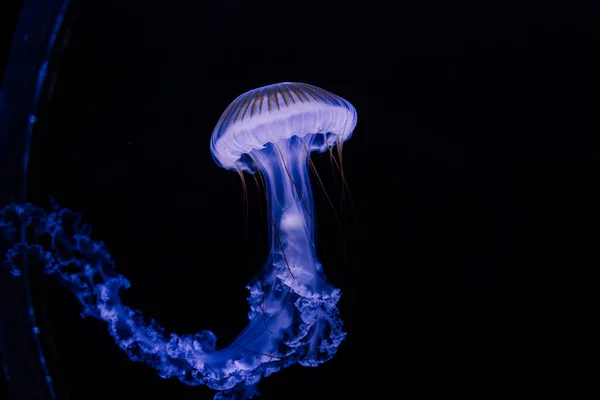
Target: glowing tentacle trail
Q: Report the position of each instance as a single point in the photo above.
(293, 314)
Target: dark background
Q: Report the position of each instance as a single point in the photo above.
(470, 171)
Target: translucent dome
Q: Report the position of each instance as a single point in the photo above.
(277, 112)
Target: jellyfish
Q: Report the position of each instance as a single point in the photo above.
(293, 317)
(271, 131)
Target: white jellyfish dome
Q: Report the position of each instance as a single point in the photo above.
(278, 112)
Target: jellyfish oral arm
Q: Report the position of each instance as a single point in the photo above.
(291, 214)
(293, 317)
(291, 295)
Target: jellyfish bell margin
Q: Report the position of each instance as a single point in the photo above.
(293, 314)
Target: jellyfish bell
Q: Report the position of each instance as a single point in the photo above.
(276, 113)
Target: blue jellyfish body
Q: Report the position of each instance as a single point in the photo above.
(271, 131)
(293, 316)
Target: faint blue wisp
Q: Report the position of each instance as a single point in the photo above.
(24, 364)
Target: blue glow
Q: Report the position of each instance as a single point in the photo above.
(293, 316)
